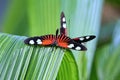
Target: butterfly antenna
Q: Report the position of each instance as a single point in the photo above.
(57, 32)
(69, 26)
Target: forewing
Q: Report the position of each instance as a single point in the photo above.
(42, 40)
(66, 42)
(84, 39)
(63, 24)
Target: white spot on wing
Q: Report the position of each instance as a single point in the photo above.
(81, 38)
(63, 19)
(83, 43)
(87, 37)
(78, 48)
(70, 45)
(64, 25)
(39, 41)
(31, 42)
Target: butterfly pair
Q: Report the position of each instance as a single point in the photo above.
(61, 40)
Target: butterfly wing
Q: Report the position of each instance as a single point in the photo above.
(84, 38)
(66, 42)
(42, 40)
(63, 24)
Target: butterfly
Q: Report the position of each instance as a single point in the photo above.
(60, 40)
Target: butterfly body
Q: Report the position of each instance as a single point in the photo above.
(61, 40)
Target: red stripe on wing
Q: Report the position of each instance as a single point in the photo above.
(48, 40)
(62, 41)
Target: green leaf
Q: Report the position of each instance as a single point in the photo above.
(20, 61)
(44, 16)
(16, 19)
(68, 69)
(107, 62)
(85, 20)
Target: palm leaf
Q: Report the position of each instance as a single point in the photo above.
(19, 61)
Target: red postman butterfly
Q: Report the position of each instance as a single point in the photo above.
(61, 40)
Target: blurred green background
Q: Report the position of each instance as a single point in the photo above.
(84, 17)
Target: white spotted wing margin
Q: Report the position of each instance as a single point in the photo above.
(63, 24)
(31, 40)
(45, 40)
(76, 46)
(84, 39)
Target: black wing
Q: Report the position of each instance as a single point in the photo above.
(63, 29)
(84, 38)
(42, 40)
